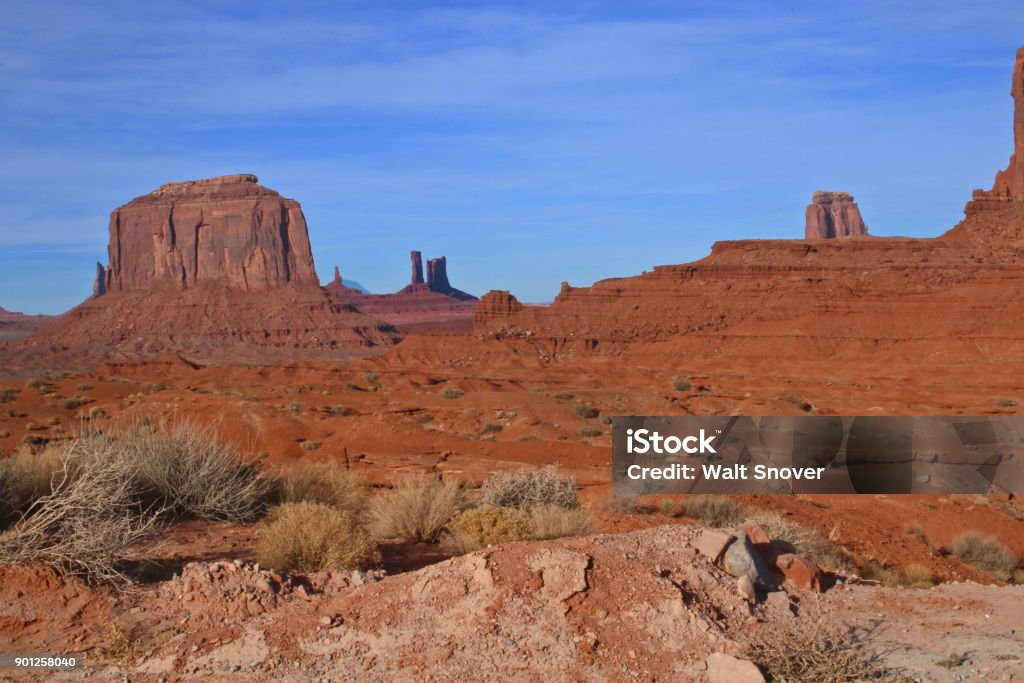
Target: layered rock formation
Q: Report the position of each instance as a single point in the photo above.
(230, 230)
(425, 304)
(1009, 184)
(338, 288)
(833, 214)
(951, 299)
(218, 268)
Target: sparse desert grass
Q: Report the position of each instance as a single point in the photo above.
(424, 418)
(1006, 403)
(590, 432)
(984, 552)
(8, 394)
(624, 503)
(417, 509)
(552, 521)
(563, 396)
(530, 488)
(90, 520)
(715, 511)
(310, 446)
(918, 576)
(311, 537)
(491, 428)
(585, 411)
(506, 415)
(681, 384)
(813, 647)
(485, 526)
(918, 531)
(339, 411)
(452, 393)
(1018, 577)
(327, 483)
(807, 540)
(83, 387)
(527, 437)
(876, 572)
(667, 508)
(27, 476)
(189, 470)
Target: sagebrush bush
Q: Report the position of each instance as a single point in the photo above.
(585, 411)
(189, 470)
(681, 384)
(8, 394)
(312, 537)
(485, 526)
(90, 520)
(984, 552)
(327, 483)
(417, 509)
(715, 511)
(590, 432)
(530, 488)
(452, 393)
(552, 521)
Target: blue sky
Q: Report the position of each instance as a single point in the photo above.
(530, 143)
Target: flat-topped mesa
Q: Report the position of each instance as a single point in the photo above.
(493, 307)
(228, 231)
(831, 215)
(1009, 184)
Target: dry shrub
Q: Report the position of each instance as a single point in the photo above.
(75, 402)
(452, 393)
(813, 647)
(681, 384)
(8, 394)
(876, 572)
(485, 526)
(26, 477)
(311, 537)
(984, 552)
(809, 541)
(417, 509)
(590, 432)
(190, 471)
(715, 511)
(530, 488)
(585, 411)
(918, 576)
(1018, 577)
(89, 521)
(327, 483)
(552, 521)
(624, 503)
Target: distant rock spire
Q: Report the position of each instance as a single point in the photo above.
(417, 267)
(99, 285)
(1009, 184)
(833, 214)
(337, 275)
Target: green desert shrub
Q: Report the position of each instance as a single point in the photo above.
(984, 552)
(312, 537)
(326, 483)
(530, 488)
(417, 509)
(485, 526)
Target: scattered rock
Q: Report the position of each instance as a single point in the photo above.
(712, 543)
(723, 668)
(801, 572)
(741, 559)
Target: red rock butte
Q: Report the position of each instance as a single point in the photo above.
(833, 214)
(230, 230)
(1009, 184)
(220, 269)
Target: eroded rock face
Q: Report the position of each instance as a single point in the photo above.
(494, 306)
(99, 284)
(833, 214)
(437, 275)
(230, 230)
(1009, 185)
(417, 267)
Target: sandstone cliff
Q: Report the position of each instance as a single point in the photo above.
(1009, 184)
(230, 230)
(833, 214)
